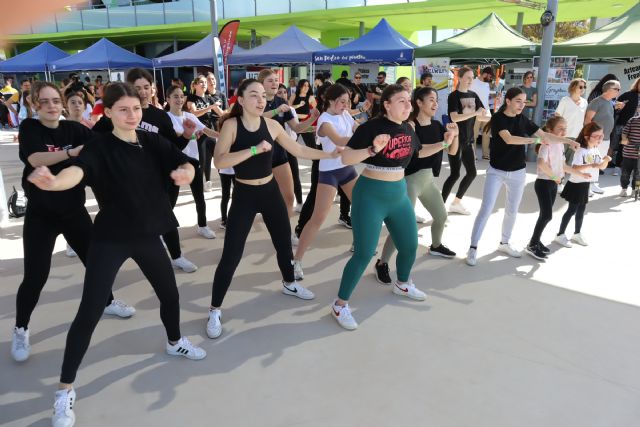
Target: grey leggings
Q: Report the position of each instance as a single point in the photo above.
(422, 186)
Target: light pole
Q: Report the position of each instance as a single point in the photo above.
(214, 35)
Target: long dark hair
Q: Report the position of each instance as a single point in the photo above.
(387, 93)
(301, 84)
(332, 93)
(511, 93)
(168, 94)
(236, 110)
(597, 90)
(420, 94)
(116, 91)
(585, 133)
(138, 73)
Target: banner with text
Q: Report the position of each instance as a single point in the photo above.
(561, 71)
(439, 68)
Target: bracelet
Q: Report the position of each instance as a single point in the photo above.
(538, 140)
(274, 112)
(254, 150)
(372, 151)
(445, 145)
(553, 177)
(67, 151)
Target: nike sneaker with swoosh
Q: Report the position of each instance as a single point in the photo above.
(297, 290)
(408, 290)
(343, 316)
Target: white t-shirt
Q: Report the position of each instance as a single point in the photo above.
(482, 89)
(553, 154)
(191, 149)
(586, 156)
(343, 124)
(87, 112)
(573, 113)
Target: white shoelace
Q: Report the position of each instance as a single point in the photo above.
(21, 341)
(61, 403)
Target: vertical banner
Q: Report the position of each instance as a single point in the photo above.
(227, 37)
(561, 72)
(222, 83)
(439, 68)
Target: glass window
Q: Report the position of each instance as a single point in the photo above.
(122, 17)
(150, 14)
(270, 7)
(306, 5)
(69, 21)
(179, 11)
(95, 19)
(239, 8)
(202, 10)
(337, 4)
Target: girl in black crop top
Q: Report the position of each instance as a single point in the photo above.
(54, 143)
(127, 170)
(386, 145)
(302, 100)
(245, 144)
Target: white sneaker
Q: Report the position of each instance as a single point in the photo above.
(563, 241)
(184, 264)
(459, 209)
(577, 238)
(616, 171)
(591, 193)
(343, 316)
(296, 290)
(294, 239)
(206, 232)
(298, 208)
(409, 290)
(20, 347)
(120, 309)
(624, 193)
(186, 349)
(560, 188)
(214, 325)
(596, 188)
(208, 186)
(420, 220)
(70, 252)
(63, 415)
(471, 257)
(506, 248)
(298, 274)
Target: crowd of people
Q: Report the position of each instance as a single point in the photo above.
(135, 153)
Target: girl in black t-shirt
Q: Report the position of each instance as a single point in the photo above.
(386, 145)
(50, 142)
(510, 132)
(464, 108)
(245, 144)
(128, 171)
(421, 172)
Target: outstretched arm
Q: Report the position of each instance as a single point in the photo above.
(68, 178)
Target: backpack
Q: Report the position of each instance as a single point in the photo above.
(17, 204)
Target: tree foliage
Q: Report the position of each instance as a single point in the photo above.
(564, 31)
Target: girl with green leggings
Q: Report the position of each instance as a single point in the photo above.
(421, 172)
(385, 144)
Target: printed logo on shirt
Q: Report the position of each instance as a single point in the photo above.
(54, 148)
(148, 127)
(468, 105)
(398, 147)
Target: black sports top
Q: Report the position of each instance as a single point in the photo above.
(304, 109)
(258, 166)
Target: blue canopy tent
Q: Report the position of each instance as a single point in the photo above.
(102, 55)
(199, 54)
(291, 47)
(38, 59)
(382, 45)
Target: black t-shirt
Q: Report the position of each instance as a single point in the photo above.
(154, 120)
(130, 184)
(375, 109)
(217, 97)
(430, 134)
(504, 156)
(281, 118)
(629, 109)
(403, 145)
(463, 103)
(361, 90)
(36, 138)
(203, 102)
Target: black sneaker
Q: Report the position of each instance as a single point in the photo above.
(545, 249)
(345, 220)
(536, 251)
(442, 251)
(382, 273)
(223, 224)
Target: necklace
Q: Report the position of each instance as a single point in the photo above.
(134, 144)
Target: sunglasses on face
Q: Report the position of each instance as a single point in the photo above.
(582, 87)
(357, 77)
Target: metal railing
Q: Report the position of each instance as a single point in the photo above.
(103, 14)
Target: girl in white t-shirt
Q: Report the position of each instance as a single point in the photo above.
(551, 168)
(334, 129)
(178, 116)
(573, 108)
(587, 162)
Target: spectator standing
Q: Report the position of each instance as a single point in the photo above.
(530, 91)
(377, 92)
(481, 85)
(628, 108)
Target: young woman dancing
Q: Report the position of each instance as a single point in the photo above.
(421, 172)
(128, 171)
(246, 141)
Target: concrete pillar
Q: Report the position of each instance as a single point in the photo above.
(520, 22)
(254, 42)
(434, 33)
(361, 33)
(175, 49)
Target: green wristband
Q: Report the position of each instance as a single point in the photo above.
(254, 150)
(538, 140)
(445, 145)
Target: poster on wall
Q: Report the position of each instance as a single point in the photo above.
(439, 68)
(561, 71)
(367, 71)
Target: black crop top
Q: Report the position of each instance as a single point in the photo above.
(401, 148)
(258, 166)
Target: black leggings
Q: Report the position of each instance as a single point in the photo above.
(629, 172)
(295, 172)
(39, 237)
(197, 190)
(247, 201)
(576, 209)
(206, 146)
(546, 190)
(172, 238)
(104, 259)
(225, 182)
(466, 156)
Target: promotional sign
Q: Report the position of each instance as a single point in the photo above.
(222, 82)
(439, 68)
(369, 72)
(561, 72)
(228, 38)
(627, 73)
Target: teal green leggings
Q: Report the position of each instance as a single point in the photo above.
(373, 202)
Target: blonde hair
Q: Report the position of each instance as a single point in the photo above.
(265, 73)
(573, 86)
